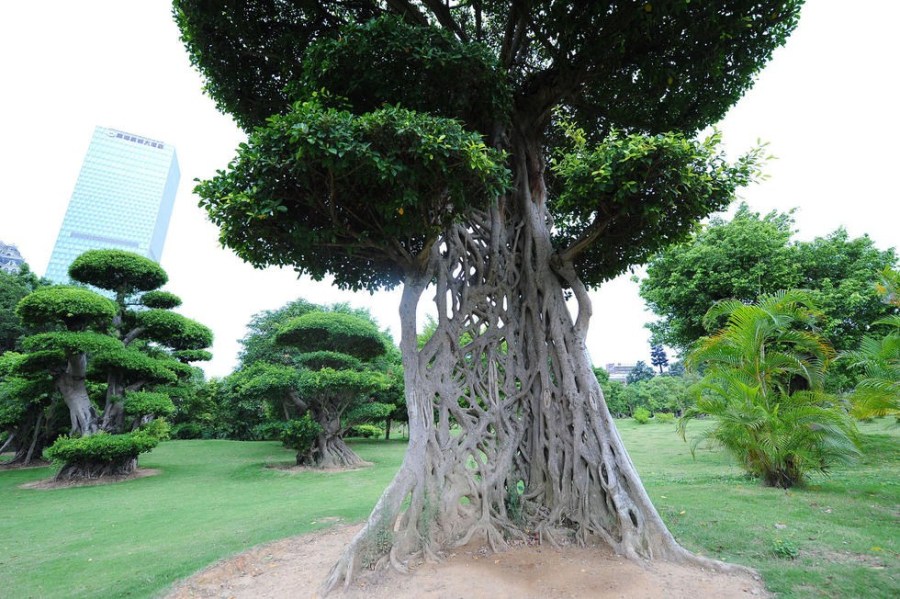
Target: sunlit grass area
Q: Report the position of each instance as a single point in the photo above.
(837, 537)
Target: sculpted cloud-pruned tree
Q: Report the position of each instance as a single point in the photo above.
(143, 315)
(333, 384)
(134, 344)
(508, 154)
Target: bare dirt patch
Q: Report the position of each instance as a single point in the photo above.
(49, 483)
(296, 566)
(294, 469)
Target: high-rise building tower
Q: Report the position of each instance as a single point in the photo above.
(10, 258)
(122, 200)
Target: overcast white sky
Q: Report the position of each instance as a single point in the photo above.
(827, 104)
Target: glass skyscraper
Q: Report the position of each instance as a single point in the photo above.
(122, 200)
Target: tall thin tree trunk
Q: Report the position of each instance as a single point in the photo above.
(114, 408)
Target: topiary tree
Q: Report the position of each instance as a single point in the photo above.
(130, 345)
(142, 316)
(333, 384)
(80, 317)
(508, 155)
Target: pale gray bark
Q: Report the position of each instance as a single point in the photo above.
(538, 452)
(71, 385)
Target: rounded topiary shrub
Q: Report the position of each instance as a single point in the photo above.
(641, 415)
(103, 454)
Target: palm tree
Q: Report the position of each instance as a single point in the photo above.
(877, 393)
(763, 386)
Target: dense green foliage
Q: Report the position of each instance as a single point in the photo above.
(400, 177)
(300, 433)
(334, 332)
(73, 307)
(164, 300)
(102, 447)
(377, 181)
(753, 255)
(124, 273)
(13, 287)
(763, 385)
(141, 403)
(673, 179)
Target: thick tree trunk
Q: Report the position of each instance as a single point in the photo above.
(538, 452)
(329, 450)
(71, 385)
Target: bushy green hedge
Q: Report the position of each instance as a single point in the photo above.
(103, 447)
(367, 431)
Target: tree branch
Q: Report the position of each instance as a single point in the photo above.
(442, 13)
(408, 11)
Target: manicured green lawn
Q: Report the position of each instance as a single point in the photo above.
(215, 498)
(212, 499)
(845, 527)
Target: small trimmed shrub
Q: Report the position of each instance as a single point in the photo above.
(367, 431)
(299, 434)
(102, 447)
(641, 415)
(664, 417)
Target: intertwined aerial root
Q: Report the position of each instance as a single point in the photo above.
(510, 437)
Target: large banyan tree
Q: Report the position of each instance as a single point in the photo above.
(507, 156)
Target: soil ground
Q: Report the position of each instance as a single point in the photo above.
(296, 566)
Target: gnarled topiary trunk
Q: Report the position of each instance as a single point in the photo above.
(72, 387)
(90, 469)
(329, 450)
(538, 452)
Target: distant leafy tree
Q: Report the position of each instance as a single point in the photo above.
(764, 389)
(658, 357)
(13, 287)
(612, 393)
(838, 272)
(753, 255)
(30, 414)
(666, 394)
(640, 372)
(738, 259)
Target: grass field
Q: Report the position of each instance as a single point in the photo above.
(214, 498)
